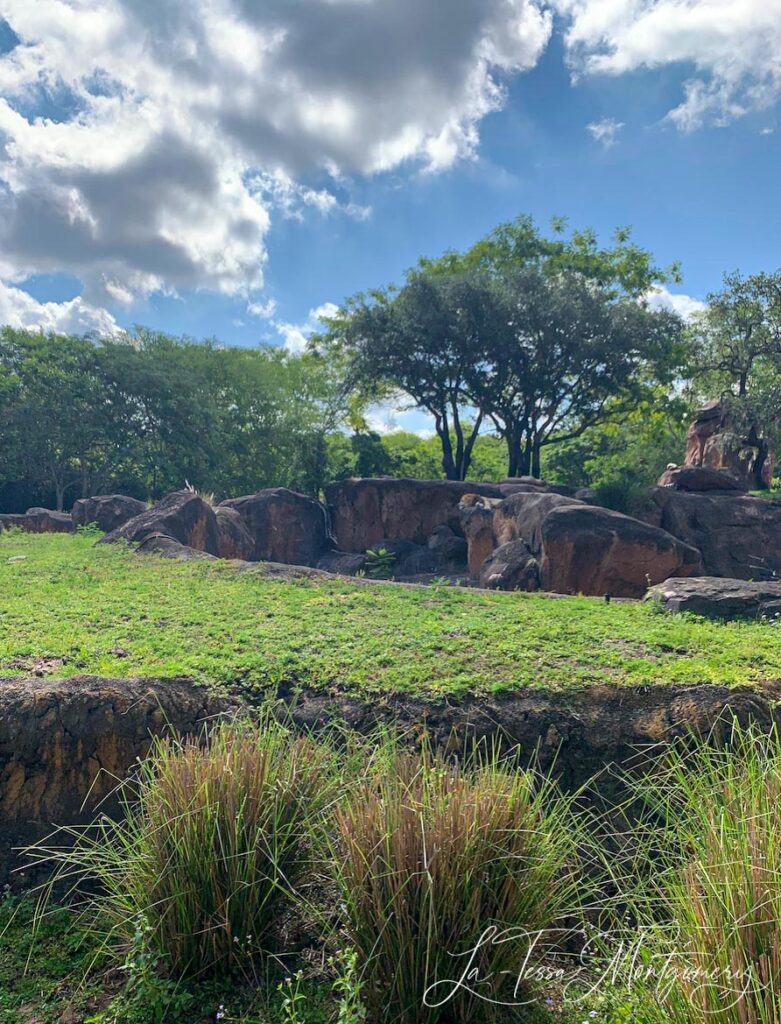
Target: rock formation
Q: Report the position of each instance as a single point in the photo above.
(718, 598)
(714, 443)
(67, 742)
(285, 526)
(184, 516)
(590, 550)
(106, 511)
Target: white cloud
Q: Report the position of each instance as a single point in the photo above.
(179, 128)
(605, 131)
(730, 49)
(19, 309)
(296, 336)
(685, 305)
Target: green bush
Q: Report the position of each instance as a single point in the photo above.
(214, 841)
(428, 856)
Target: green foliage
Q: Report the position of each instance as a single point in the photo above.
(621, 460)
(543, 338)
(68, 607)
(213, 841)
(429, 854)
(141, 416)
(379, 564)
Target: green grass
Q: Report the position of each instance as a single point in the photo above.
(68, 607)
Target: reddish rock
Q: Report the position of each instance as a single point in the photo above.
(184, 516)
(364, 512)
(712, 442)
(107, 511)
(285, 526)
(233, 538)
(739, 536)
(700, 478)
(476, 515)
(521, 517)
(593, 551)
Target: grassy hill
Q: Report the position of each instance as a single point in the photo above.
(68, 607)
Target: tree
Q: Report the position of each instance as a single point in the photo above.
(544, 337)
(570, 354)
(740, 330)
(422, 341)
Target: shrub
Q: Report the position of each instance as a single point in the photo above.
(429, 855)
(214, 840)
(711, 913)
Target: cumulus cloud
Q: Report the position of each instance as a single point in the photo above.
(19, 309)
(730, 49)
(146, 146)
(605, 131)
(295, 336)
(685, 305)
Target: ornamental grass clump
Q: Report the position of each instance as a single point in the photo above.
(429, 856)
(215, 840)
(710, 945)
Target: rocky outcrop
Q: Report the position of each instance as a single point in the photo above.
(521, 517)
(714, 443)
(106, 511)
(476, 515)
(38, 520)
(510, 567)
(233, 538)
(285, 526)
(700, 478)
(67, 742)
(590, 550)
(365, 512)
(183, 516)
(738, 536)
(717, 598)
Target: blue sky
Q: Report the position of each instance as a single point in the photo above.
(241, 228)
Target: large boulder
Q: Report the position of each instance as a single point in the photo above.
(233, 538)
(738, 536)
(285, 526)
(510, 567)
(714, 443)
(522, 515)
(38, 520)
(364, 512)
(594, 551)
(65, 745)
(717, 598)
(700, 478)
(184, 516)
(107, 511)
(165, 546)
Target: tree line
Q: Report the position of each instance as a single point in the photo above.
(532, 354)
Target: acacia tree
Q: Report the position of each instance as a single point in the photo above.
(569, 356)
(739, 332)
(423, 340)
(545, 337)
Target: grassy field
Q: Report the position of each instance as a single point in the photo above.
(68, 607)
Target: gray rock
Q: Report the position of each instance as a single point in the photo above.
(718, 598)
(510, 567)
(107, 511)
